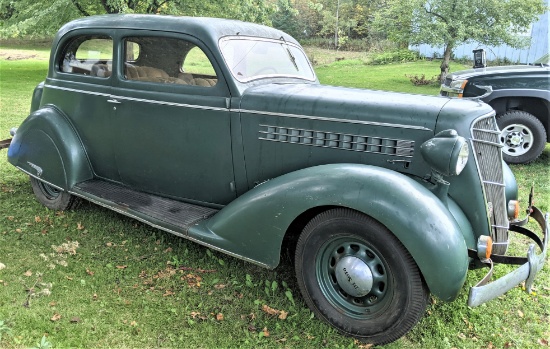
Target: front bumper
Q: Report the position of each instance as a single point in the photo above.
(484, 291)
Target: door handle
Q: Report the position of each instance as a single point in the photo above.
(114, 101)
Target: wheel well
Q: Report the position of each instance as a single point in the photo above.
(540, 108)
(295, 228)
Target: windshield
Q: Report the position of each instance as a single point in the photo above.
(253, 58)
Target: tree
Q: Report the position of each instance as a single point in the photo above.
(43, 18)
(450, 23)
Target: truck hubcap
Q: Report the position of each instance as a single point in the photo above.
(517, 139)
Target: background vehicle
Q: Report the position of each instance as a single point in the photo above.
(219, 132)
(520, 95)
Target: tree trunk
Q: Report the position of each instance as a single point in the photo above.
(445, 63)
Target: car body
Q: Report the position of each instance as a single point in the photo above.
(520, 95)
(218, 131)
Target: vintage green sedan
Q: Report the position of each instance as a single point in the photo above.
(218, 131)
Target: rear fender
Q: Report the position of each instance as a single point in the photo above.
(254, 225)
(46, 146)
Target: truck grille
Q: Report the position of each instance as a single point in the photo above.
(488, 156)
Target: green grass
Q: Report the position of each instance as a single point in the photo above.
(130, 286)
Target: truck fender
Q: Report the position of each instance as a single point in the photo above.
(253, 226)
(47, 147)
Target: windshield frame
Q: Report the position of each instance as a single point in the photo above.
(312, 78)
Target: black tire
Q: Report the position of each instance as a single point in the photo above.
(398, 296)
(522, 135)
(53, 198)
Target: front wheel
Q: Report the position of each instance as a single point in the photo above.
(52, 197)
(357, 276)
(523, 137)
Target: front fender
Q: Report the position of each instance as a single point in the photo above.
(254, 225)
(47, 147)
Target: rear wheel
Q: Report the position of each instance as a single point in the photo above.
(52, 197)
(522, 135)
(358, 277)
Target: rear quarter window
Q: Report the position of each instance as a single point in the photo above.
(88, 55)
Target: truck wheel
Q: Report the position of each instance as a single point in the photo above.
(522, 135)
(51, 197)
(357, 276)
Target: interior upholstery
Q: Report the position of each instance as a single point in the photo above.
(144, 73)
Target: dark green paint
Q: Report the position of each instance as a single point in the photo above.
(261, 217)
(264, 152)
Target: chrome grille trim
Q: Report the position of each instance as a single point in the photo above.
(488, 157)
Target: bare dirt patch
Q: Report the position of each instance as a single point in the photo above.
(16, 55)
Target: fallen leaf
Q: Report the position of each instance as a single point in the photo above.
(219, 286)
(133, 323)
(219, 317)
(28, 273)
(194, 314)
(267, 309)
(266, 332)
(109, 244)
(520, 313)
(11, 218)
(52, 304)
(75, 320)
(121, 266)
(543, 341)
(507, 345)
(168, 293)
(79, 226)
(283, 314)
(18, 230)
(37, 219)
(89, 272)
(251, 328)
(94, 297)
(169, 249)
(69, 278)
(55, 317)
(2, 266)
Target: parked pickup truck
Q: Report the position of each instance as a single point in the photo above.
(218, 131)
(520, 95)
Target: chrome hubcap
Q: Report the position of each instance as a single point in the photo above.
(354, 276)
(517, 139)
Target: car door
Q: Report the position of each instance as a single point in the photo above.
(80, 86)
(172, 119)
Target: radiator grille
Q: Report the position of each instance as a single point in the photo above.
(360, 143)
(488, 155)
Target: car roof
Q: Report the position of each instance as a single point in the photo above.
(207, 29)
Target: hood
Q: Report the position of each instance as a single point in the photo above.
(345, 103)
(499, 70)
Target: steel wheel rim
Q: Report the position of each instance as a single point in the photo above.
(49, 192)
(364, 307)
(517, 139)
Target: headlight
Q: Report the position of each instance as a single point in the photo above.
(458, 84)
(455, 88)
(447, 153)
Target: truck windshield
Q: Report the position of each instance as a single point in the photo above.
(253, 58)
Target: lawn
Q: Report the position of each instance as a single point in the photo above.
(93, 278)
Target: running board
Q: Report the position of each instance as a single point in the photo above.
(167, 214)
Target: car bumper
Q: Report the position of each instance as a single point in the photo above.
(484, 291)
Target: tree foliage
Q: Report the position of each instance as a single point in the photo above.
(450, 23)
(43, 18)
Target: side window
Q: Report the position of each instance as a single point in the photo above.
(88, 55)
(167, 61)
